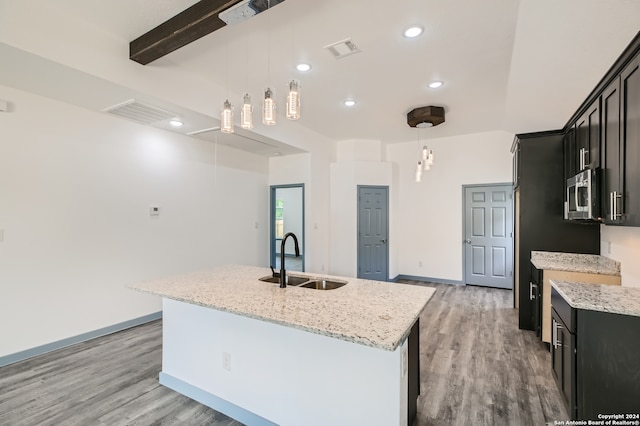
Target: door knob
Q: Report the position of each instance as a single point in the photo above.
(383, 241)
(468, 241)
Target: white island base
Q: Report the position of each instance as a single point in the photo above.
(262, 373)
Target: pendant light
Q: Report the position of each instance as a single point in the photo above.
(268, 108)
(425, 158)
(293, 101)
(268, 104)
(226, 118)
(226, 125)
(419, 172)
(246, 113)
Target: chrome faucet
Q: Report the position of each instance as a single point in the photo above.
(283, 273)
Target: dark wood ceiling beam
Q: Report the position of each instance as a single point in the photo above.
(187, 26)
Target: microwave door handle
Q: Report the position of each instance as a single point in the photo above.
(577, 190)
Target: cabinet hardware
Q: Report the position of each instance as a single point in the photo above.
(613, 201)
(554, 334)
(530, 291)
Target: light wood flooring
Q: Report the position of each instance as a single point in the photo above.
(477, 368)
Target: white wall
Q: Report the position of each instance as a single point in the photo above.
(358, 162)
(311, 169)
(75, 192)
(622, 243)
(429, 214)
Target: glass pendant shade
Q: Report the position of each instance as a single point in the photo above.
(430, 159)
(425, 153)
(226, 120)
(419, 172)
(293, 101)
(268, 109)
(246, 113)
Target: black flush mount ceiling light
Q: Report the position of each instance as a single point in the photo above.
(425, 117)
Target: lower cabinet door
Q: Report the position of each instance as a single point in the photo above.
(568, 369)
(556, 355)
(563, 362)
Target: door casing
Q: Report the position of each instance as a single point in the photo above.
(272, 223)
(386, 224)
(509, 188)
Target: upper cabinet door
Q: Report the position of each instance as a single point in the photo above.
(611, 160)
(630, 135)
(588, 138)
(570, 154)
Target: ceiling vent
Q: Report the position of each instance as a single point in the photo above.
(343, 48)
(139, 112)
(237, 13)
(245, 9)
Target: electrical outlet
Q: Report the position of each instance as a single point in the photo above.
(154, 210)
(420, 263)
(608, 247)
(226, 361)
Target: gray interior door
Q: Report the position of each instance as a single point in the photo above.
(373, 232)
(488, 236)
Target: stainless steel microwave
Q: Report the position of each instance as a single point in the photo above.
(582, 196)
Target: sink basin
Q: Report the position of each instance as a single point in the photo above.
(291, 280)
(323, 284)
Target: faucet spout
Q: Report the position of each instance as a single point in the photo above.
(283, 272)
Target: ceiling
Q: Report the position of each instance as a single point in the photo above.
(506, 65)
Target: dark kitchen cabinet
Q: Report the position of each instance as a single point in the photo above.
(605, 133)
(612, 155)
(594, 360)
(535, 296)
(539, 217)
(563, 360)
(570, 154)
(621, 148)
(587, 134)
(630, 135)
(413, 370)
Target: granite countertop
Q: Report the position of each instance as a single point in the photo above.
(372, 313)
(598, 297)
(574, 262)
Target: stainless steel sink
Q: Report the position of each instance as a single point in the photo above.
(324, 284)
(291, 280)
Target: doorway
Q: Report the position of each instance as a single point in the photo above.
(488, 235)
(373, 232)
(287, 215)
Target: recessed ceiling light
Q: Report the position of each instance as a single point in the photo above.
(349, 102)
(176, 123)
(435, 84)
(303, 67)
(413, 31)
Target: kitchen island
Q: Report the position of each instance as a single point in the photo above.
(267, 355)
